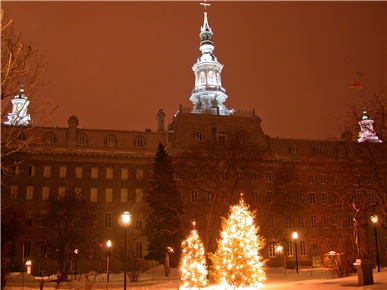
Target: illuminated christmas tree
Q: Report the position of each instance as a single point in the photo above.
(193, 262)
(236, 262)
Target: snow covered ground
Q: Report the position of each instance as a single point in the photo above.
(276, 279)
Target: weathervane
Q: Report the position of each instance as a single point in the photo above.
(205, 4)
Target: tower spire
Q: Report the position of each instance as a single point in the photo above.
(208, 94)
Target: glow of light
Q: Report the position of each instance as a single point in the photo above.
(374, 218)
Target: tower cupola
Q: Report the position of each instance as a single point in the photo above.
(208, 95)
(367, 133)
(19, 115)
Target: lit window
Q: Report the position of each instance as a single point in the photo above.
(13, 192)
(139, 174)
(47, 170)
(108, 194)
(202, 78)
(272, 248)
(139, 195)
(210, 77)
(109, 173)
(45, 192)
(61, 191)
(62, 171)
(124, 173)
(290, 248)
(93, 194)
(31, 170)
(94, 172)
(29, 192)
(302, 248)
(124, 195)
(78, 172)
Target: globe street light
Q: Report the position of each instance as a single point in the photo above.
(108, 245)
(374, 219)
(76, 258)
(295, 237)
(125, 218)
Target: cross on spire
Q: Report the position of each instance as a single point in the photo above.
(205, 4)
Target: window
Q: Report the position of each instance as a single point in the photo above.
(268, 176)
(78, 172)
(108, 220)
(360, 197)
(221, 136)
(209, 174)
(290, 248)
(302, 248)
(288, 223)
(301, 224)
(369, 180)
(124, 174)
(110, 141)
(225, 195)
(350, 220)
(93, 219)
(82, 140)
(177, 175)
(94, 173)
(140, 142)
(124, 195)
(286, 197)
(43, 249)
(108, 194)
(61, 191)
(334, 180)
(311, 178)
(338, 220)
(323, 179)
(93, 194)
(194, 195)
(29, 219)
(271, 222)
(380, 178)
(31, 170)
(324, 198)
(254, 176)
(47, 171)
(139, 254)
(313, 219)
(300, 198)
(29, 192)
(45, 192)
(371, 198)
(210, 77)
(199, 136)
(312, 197)
(341, 151)
(269, 194)
(44, 219)
(62, 171)
(326, 221)
(14, 170)
(13, 192)
(202, 78)
(294, 149)
(109, 173)
(139, 195)
(318, 150)
(49, 138)
(209, 196)
(272, 248)
(349, 197)
(139, 174)
(298, 178)
(255, 196)
(315, 244)
(242, 138)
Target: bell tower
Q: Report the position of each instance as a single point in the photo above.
(208, 95)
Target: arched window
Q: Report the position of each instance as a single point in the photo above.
(211, 79)
(139, 142)
(221, 136)
(110, 141)
(202, 78)
(49, 138)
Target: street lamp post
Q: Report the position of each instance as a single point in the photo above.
(75, 267)
(108, 245)
(125, 218)
(295, 237)
(374, 220)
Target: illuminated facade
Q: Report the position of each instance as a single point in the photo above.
(299, 185)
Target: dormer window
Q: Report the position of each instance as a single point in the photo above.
(294, 149)
(82, 140)
(110, 141)
(199, 136)
(139, 142)
(49, 138)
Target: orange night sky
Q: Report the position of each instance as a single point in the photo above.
(115, 64)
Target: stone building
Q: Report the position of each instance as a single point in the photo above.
(304, 186)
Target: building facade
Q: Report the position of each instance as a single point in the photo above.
(311, 187)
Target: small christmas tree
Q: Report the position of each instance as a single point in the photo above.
(236, 262)
(193, 262)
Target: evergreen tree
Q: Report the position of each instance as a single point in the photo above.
(164, 226)
(236, 262)
(193, 262)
